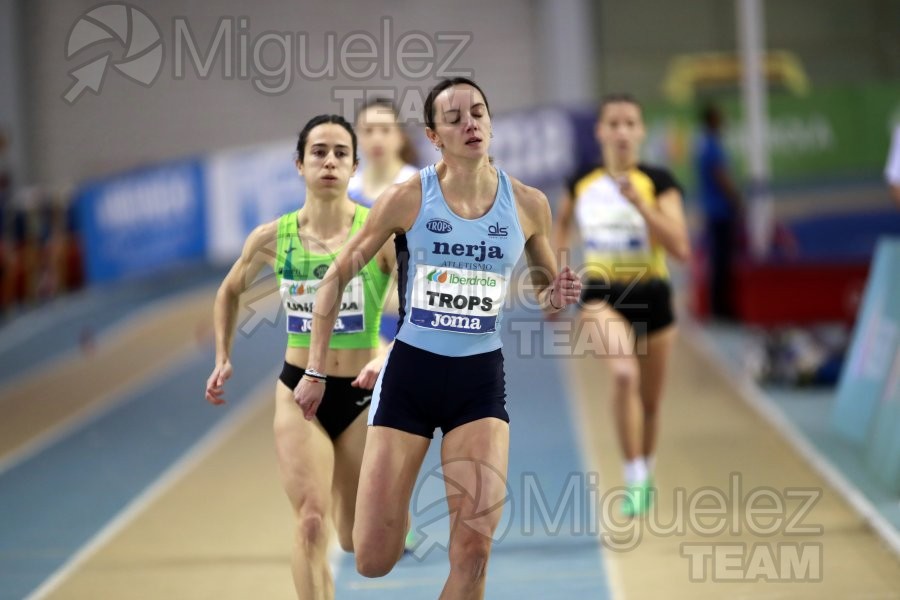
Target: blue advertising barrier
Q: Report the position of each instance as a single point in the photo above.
(143, 221)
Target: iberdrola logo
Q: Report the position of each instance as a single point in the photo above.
(438, 276)
(297, 290)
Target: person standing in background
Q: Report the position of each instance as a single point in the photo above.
(388, 156)
(7, 265)
(721, 203)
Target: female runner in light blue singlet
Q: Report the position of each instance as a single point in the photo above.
(460, 226)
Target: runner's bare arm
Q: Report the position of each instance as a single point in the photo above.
(665, 220)
(387, 262)
(565, 213)
(674, 234)
(554, 289)
(394, 212)
(259, 250)
(387, 257)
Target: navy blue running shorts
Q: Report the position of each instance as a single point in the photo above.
(419, 391)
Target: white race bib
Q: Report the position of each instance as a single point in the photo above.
(298, 298)
(457, 300)
(619, 235)
(610, 224)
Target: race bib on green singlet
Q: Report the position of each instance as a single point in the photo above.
(298, 298)
(457, 300)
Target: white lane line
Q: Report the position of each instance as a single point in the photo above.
(98, 408)
(203, 448)
(107, 335)
(614, 578)
(766, 407)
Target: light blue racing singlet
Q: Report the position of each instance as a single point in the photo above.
(454, 273)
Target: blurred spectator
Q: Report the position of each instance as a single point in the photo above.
(29, 237)
(73, 265)
(892, 169)
(41, 255)
(722, 210)
(6, 227)
(5, 178)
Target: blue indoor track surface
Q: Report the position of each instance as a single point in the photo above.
(25, 340)
(53, 502)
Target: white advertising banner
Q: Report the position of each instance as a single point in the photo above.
(246, 188)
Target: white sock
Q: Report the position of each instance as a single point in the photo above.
(635, 471)
(650, 460)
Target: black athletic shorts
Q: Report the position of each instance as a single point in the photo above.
(418, 391)
(341, 403)
(646, 304)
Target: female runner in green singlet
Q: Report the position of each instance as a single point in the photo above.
(319, 458)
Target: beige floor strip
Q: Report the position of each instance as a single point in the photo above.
(45, 404)
(712, 440)
(220, 528)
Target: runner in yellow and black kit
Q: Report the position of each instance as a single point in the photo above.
(630, 216)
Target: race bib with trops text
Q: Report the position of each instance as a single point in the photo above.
(298, 298)
(457, 300)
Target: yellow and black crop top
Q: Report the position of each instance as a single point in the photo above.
(617, 242)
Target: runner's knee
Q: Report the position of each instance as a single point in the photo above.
(625, 374)
(311, 528)
(469, 554)
(374, 560)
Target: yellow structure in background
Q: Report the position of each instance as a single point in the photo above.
(688, 73)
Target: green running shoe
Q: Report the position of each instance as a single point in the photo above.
(409, 545)
(638, 499)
